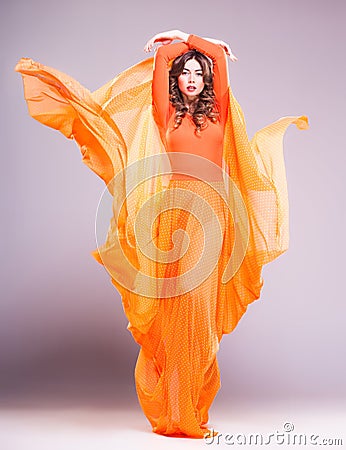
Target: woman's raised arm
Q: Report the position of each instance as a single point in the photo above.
(216, 52)
(160, 86)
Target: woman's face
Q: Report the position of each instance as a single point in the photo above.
(190, 81)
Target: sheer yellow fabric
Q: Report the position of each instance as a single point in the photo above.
(178, 320)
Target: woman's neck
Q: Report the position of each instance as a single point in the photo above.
(190, 103)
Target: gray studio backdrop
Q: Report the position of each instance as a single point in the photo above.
(63, 331)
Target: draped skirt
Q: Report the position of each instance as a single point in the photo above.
(177, 375)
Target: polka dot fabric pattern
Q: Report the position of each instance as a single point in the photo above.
(177, 374)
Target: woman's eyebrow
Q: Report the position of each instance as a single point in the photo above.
(196, 70)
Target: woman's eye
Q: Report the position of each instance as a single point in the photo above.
(186, 72)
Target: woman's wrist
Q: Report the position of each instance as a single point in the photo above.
(183, 36)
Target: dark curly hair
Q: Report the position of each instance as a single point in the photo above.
(206, 107)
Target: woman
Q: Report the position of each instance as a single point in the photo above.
(181, 292)
(178, 380)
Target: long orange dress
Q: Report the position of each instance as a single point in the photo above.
(186, 254)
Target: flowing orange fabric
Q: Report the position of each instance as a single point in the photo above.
(185, 255)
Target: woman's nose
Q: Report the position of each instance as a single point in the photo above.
(191, 78)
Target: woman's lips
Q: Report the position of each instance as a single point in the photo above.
(191, 88)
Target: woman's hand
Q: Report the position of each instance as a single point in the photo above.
(225, 46)
(166, 37)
